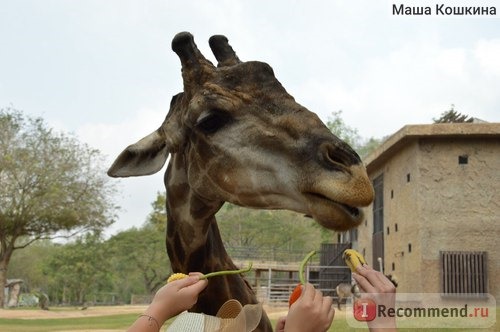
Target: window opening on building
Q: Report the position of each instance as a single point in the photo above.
(378, 205)
(353, 235)
(378, 220)
(464, 272)
(463, 159)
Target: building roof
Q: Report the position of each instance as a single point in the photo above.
(12, 282)
(409, 133)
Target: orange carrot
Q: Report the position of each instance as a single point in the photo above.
(295, 295)
(298, 290)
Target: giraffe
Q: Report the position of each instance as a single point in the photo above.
(235, 135)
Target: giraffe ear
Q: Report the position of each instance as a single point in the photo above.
(148, 155)
(145, 157)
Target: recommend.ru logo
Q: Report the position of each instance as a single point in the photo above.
(428, 310)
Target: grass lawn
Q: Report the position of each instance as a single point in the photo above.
(112, 322)
(122, 321)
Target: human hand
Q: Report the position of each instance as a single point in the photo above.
(176, 296)
(280, 324)
(376, 286)
(372, 281)
(312, 312)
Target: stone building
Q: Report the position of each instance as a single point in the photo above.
(435, 221)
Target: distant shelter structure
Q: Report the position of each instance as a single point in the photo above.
(434, 222)
(12, 291)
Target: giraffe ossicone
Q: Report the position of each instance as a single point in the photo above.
(235, 135)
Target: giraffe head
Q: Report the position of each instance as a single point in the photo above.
(245, 140)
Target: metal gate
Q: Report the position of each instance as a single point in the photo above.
(333, 269)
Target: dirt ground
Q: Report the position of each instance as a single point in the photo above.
(272, 311)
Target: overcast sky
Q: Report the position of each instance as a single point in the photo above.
(104, 69)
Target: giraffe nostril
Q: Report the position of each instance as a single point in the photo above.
(338, 156)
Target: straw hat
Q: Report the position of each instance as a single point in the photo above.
(231, 317)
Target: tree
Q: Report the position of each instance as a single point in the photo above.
(340, 129)
(158, 217)
(28, 264)
(78, 270)
(351, 136)
(368, 146)
(51, 185)
(266, 234)
(139, 259)
(452, 116)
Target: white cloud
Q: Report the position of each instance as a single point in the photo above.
(487, 53)
(451, 62)
(136, 194)
(112, 138)
(411, 84)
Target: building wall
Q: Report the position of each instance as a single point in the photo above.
(461, 204)
(441, 206)
(401, 219)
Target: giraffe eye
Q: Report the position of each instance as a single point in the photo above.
(213, 121)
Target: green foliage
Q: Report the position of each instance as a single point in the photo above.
(340, 129)
(28, 264)
(158, 217)
(133, 261)
(78, 270)
(452, 116)
(139, 261)
(275, 235)
(51, 184)
(368, 146)
(351, 136)
(50, 181)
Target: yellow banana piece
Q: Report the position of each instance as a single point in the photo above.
(353, 259)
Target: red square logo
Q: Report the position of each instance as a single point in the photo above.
(365, 310)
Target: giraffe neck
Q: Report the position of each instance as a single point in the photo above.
(194, 242)
(195, 245)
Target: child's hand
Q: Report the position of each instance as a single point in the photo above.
(176, 297)
(371, 281)
(280, 324)
(376, 286)
(312, 312)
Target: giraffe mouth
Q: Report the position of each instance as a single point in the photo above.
(352, 210)
(331, 213)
